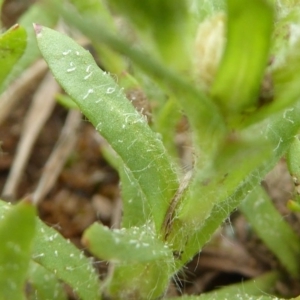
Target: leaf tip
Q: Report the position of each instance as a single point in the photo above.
(85, 241)
(14, 27)
(37, 28)
(28, 200)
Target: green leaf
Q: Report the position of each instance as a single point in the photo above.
(293, 160)
(17, 230)
(105, 105)
(206, 8)
(237, 83)
(254, 289)
(95, 10)
(192, 233)
(293, 205)
(66, 101)
(239, 296)
(44, 285)
(136, 244)
(36, 13)
(210, 186)
(166, 121)
(61, 258)
(136, 210)
(139, 280)
(134, 252)
(271, 228)
(12, 46)
(207, 124)
(286, 79)
(68, 263)
(165, 22)
(283, 80)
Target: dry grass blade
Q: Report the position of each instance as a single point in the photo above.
(15, 92)
(40, 110)
(59, 155)
(117, 213)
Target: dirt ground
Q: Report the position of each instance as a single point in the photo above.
(87, 190)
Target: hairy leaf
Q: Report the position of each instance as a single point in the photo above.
(204, 117)
(134, 252)
(190, 237)
(17, 230)
(105, 105)
(59, 257)
(36, 13)
(272, 228)
(12, 46)
(136, 244)
(246, 290)
(44, 285)
(66, 261)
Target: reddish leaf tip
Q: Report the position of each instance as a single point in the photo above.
(37, 28)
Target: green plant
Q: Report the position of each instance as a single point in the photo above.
(243, 120)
